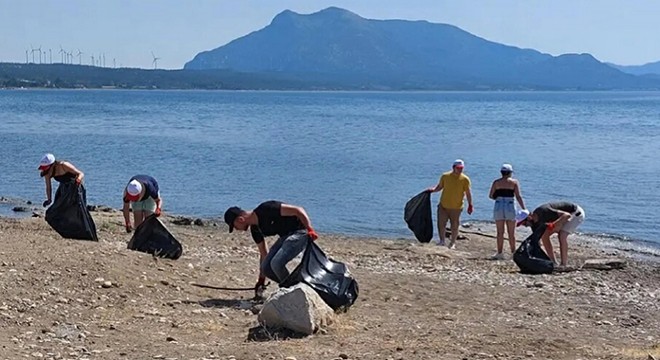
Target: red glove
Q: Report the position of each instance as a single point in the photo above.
(78, 181)
(157, 212)
(311, 233)
(470, 209)
(550, 227)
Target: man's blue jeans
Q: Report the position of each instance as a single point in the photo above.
(285, 249)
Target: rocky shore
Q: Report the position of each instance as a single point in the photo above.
(68, 299)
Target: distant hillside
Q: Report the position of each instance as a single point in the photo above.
(646, 69)
(338, 44)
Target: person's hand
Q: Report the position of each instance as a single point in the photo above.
(470, 209)
(157, 212)
(312, 234)
(430, 189)
(259, 288)
(550, 227)
(78, 181)
(129, 228)
(46, 203)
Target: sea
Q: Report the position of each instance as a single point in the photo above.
(351, 159)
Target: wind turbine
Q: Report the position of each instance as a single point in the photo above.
(39, 54)
(50, 56)
(80, 57)
(32, 52)
(103, 59)
(62, 52)
(93, 64)
(155, 62)
(114, 63)
(27, 59)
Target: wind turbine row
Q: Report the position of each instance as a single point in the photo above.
(66, 57)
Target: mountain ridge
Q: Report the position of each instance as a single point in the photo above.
(335, 41)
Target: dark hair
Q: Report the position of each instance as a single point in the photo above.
(505, 173)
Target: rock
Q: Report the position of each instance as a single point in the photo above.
(169, 338)
(183, 221)
(298, 308)
(106, 284)
(651, 357)
(604, 264)
(36, 214)
(199, 222)
(344, 356)
(20, 209)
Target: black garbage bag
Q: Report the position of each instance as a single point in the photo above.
(152, 237)
(417, 215)
(529, 256)
(68, 215)
(330, 279)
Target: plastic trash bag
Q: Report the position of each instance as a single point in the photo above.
(417, 215)
(529, 256)
(152, 237)
(330, 279)
(68, 215)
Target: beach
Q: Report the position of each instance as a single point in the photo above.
(69, 299)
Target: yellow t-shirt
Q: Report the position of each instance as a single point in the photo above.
(453, 190)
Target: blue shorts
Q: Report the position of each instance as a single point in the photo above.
(504, 209)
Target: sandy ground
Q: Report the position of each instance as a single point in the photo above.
(417, 301)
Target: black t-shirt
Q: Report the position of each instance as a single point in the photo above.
(548, 212)
(149, 183)
(271, 221)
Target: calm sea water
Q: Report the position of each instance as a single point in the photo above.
(352, 159)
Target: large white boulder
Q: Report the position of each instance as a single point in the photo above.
(298, 308)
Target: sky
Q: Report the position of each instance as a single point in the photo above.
(126, 32)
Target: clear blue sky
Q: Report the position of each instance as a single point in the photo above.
(619, 31)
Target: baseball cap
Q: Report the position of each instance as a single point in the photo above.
(521, 216)
(230, 216)
(459, 163)
(46, 161)
(133, 190)
(506, 168)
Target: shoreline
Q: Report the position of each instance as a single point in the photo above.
(637, 248)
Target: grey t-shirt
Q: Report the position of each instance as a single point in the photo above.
(549, 212)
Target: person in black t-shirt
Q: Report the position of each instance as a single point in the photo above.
(291, 223)
(560, 217)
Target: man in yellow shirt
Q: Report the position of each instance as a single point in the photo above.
(454, 185)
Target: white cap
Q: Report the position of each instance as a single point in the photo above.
(46, 161)
(521, 215)
(134, 188)
(458, 163)
(507, 168)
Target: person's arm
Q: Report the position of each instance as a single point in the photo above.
(127, 214)
(159, 204)
(492, 191)
(49, 191)
(516, 191)
(297, 211)
(437, 187)
(263, 251)
(556, 225)
(68, 167)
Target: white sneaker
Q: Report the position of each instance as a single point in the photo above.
(452, 245)
(497, 256)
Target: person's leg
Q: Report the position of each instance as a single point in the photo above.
(266, 269)
(499, 224)
(547, 244)
(563, 247)
(454, 220)
(293, 245)
(443, 216)
(511, 229)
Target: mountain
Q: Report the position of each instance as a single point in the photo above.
(646, 69)
(336, 44)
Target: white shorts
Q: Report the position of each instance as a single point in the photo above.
(577, 218)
